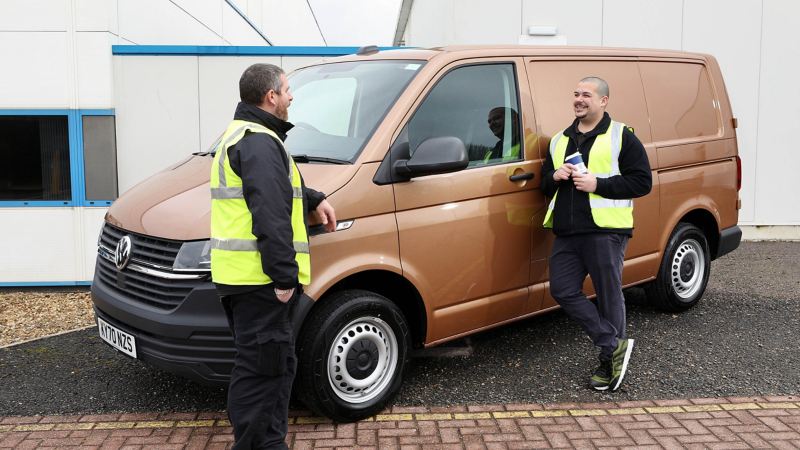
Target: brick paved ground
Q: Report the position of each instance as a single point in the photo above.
(742, 422)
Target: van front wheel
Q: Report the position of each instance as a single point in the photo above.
(351, 355)
(684, 271)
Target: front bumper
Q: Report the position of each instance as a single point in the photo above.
(192, 340)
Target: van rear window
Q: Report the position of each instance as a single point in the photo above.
(681, 101)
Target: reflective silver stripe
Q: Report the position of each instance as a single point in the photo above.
(610, 203)
(247, 245)
(616, 146)
(297, 192)
(226, 193)
(554, 142)
(223, 182)
(235, 245)
(601, 175)
(234, 136)
(551, 206)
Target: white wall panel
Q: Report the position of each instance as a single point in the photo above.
(96, 15)
(776, 200)
(207, 12)
(734, 39)
(40, 74)
(236, 30)
(95, 77)
(159, 22)
(219, 92)
(34, 15)
(431, 23)
(480, 22)
(157, 108)
(288, 23)
(586, 31)
(363, 22)
(643, 24)
(92, 219)
(38, 245)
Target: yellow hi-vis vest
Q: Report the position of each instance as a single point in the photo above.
(235, 258)
(603, 163)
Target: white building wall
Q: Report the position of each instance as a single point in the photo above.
(57, 55)
(753, 40)
(182, 102)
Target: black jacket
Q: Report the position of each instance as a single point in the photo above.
(572, 214)
(263, 166)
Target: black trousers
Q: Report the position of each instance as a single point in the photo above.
(264, 368)
(601, 256)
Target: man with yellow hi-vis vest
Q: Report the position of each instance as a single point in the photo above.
(592, 173)
(259, 253)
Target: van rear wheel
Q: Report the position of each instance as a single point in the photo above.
(351, 355)
(684, 271)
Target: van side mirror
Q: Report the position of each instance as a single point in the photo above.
(434, 155)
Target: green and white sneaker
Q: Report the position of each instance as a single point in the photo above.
(601, 377)
(619, 362)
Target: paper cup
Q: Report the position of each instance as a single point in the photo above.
(577, 160)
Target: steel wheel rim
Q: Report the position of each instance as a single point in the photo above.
(370, 331)
(690, 254)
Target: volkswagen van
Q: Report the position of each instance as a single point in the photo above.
(432, 160)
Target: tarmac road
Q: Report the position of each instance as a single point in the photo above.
(740, 340)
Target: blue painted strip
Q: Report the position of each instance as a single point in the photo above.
(211, 50)
(34, 112)
(43, 283)
(76, 157)
(96, 112)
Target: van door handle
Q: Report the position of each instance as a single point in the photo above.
(521, 176)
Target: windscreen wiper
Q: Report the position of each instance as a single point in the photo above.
(320, 159)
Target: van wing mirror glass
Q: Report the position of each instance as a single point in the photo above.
(434, 155)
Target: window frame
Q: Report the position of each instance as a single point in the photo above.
(453, 67)
(76, 161)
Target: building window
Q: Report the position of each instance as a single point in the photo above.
(99, 157)
(36, 158)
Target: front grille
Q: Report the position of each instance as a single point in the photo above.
(146, 249)
(139, 287)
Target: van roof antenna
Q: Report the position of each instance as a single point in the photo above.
(367, 50)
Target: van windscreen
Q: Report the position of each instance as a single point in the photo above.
(337, 107)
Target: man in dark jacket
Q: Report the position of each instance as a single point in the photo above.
(591, 214)
(259, 256)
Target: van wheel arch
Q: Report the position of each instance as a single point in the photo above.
(705, 221)
(395, 288)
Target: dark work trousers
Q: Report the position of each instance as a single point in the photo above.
(600, 255)
(264, 368)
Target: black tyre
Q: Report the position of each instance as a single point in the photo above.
(684, 271)
(351, 354)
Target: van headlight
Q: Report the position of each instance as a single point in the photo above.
(194, 256)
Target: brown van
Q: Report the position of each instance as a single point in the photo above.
(432, 160)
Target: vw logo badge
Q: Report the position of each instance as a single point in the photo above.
(122, 254)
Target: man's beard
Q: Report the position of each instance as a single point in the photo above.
(282, 112)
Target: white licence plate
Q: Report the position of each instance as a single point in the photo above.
(117, 338)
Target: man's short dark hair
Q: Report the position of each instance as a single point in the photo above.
(257, 80)
(602, 86)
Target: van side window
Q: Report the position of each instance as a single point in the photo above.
(680, 99)
(477, 104)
